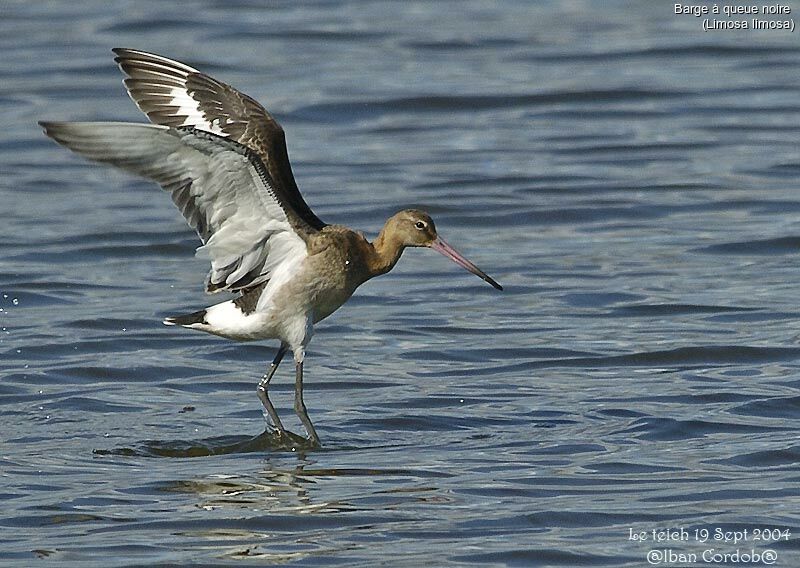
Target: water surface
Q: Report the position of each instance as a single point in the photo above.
(631, 180)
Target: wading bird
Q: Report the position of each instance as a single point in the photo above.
(222, 157)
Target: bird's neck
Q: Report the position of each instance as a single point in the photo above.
(387, 251)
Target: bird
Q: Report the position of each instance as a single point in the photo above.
(223, 159)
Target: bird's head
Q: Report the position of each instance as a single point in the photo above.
(415, 228)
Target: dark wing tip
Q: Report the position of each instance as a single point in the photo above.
(46, 126)
(126, 56)
(125, 51)
(50, 127)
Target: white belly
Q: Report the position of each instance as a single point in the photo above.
(293, 300)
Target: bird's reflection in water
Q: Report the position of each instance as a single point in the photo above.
(281, 489)
(252, 510)
(284, 493)
(274, 491)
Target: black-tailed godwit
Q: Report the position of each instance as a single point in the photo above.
(223, 159)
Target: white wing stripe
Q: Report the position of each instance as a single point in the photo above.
(189, 107)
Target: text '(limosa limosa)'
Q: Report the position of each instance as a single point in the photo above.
(222, 157)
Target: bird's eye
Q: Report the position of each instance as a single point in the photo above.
(419, 225)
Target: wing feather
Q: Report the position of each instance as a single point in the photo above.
(221, 187)
(174, 94)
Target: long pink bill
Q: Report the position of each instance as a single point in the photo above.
(455, 256)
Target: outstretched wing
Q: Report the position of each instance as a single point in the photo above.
(222, 188)
(173, 94)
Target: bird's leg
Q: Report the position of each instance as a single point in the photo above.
(299, 405)
(263, 385)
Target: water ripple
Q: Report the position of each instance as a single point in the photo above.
(629, 179)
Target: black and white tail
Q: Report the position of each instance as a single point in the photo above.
(187, 320)
(227, 319)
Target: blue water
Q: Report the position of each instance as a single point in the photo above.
(631, 180)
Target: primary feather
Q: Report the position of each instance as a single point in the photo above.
(222, 188)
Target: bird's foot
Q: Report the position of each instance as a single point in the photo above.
(288, 440)
(313, 439)
(275, 431)
(310, 443)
